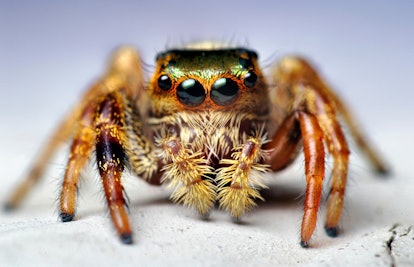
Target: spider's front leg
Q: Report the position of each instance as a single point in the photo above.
(105, 119)
(313, 109)
(120, 142)
(301, 125)
(111, 144)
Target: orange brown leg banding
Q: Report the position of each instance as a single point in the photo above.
(314, 151)
(110, 155)
(337, 146)
(282, 148)
(80, 152)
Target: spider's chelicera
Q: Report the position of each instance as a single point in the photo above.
(207, 123)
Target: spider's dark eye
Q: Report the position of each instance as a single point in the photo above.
(164, 82)
(191, 93)
(250, 79)
(224, 91)
(245, 63)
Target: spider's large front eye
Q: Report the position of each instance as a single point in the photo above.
(224, 91)
(250, 79)
(191, 93)
(164, 82)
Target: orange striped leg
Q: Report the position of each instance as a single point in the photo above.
(338, 148)
(314, 152)
(284, 145)
(373, 156)
(61, 134)
(80, 152)
(337, 192)
(110, 155)
(283, 148)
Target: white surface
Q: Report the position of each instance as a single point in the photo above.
(49, 52)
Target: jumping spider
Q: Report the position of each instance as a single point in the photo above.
(207, 123)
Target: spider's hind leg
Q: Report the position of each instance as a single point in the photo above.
(301, 91)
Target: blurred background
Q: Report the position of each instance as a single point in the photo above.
(50, 51)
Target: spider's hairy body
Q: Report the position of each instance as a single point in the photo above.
(208, 123)
(213, 142)
(209, 132)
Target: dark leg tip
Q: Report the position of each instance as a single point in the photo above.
(304, 244)
(66, 217)
(8, 207)
(332, 231)
(126, 238)
(383, 171)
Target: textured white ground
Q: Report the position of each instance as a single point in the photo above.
(377, 226)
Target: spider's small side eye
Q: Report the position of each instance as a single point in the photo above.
(250, 79)
(164, 82)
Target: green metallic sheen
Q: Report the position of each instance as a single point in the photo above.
(205, 64)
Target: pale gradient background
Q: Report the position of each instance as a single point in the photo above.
(50, 51)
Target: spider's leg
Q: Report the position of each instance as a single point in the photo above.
(80, 151)
(120, 141)
(338, 148)
(293, 70)
(314, 152)
(283, 148)
(124, 69)
(111, 144)
(63, 132)
(122, 78)
(371, 153)
(300, 88)
(284, 145)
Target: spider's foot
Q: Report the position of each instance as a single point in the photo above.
(332, 231)
(66, 217)
(8, 207)
(304, 244)
(126, 238)
(383, 170)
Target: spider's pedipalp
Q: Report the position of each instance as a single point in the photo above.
(238, 186)
(188, 173)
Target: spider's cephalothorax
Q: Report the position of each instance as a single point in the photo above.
(207, 123)
(206, 106)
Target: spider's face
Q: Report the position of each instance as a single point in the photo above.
(220, 79)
